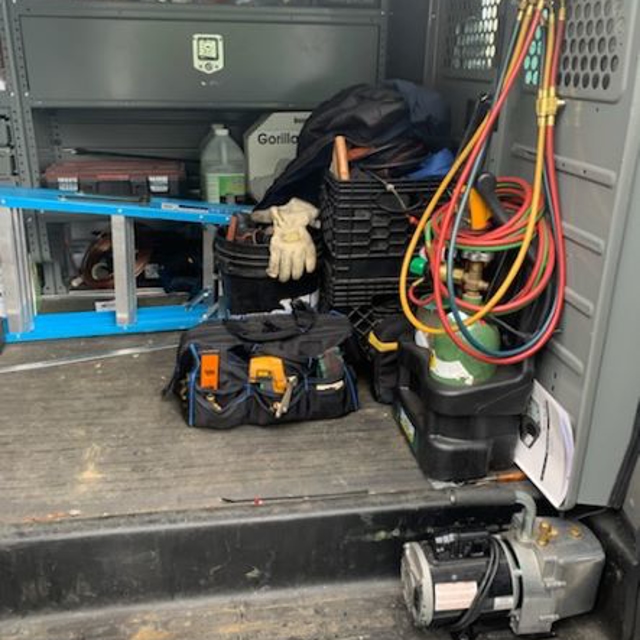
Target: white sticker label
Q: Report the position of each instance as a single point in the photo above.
(159, 184)
(503, 603)
(68, 184)
(455, 596)
(106, 305)
(208, 52)
(407, 426)
(454, 370)
(152, 271)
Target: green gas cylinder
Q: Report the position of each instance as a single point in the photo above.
(429, 316)
(451, 365)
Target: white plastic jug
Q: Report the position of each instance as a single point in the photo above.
(222, 168)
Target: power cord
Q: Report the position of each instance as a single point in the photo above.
(474, 611)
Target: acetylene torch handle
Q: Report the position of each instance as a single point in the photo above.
(486, 186)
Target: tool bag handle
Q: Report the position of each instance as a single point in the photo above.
(274, 327)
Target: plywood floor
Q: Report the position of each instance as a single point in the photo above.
(96, 439)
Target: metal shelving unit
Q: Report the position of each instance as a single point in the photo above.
(63, 57)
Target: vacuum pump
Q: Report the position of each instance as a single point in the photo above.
(535, 573)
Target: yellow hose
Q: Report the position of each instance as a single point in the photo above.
(462, 157)
(537, 188)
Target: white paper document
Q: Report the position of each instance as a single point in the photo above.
(545, 448)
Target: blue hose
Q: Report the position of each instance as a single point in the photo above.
(455, 309)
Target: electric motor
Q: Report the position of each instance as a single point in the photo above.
(533, 574)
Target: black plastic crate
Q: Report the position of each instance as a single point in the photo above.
(365, 317)
(363, 218)
(366, 268)
(339, 292)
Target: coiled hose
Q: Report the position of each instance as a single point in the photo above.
(535, 214)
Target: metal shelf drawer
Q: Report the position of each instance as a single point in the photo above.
(211, 57)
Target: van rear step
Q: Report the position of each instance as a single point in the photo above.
(357, 610)
(228, 551)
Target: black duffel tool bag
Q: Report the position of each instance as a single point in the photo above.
(265, 370)
(384, 344)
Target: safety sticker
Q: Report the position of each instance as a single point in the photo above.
(503, 603)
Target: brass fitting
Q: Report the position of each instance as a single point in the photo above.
(458, 274)
(522, 7)
(562, 11)
(473, 281)
(557, 105)
(471, 278)
(546, 533)
(541, 106)
(576, 532)
(547, 106)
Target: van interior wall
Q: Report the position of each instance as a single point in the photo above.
(592, 143)
(407, 39)
(595, 150)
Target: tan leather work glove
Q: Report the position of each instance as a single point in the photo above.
(292, 249)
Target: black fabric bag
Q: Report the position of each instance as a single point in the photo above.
(309, 349)
(384, 343)
(368, 116)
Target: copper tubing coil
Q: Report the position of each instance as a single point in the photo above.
(102, 247)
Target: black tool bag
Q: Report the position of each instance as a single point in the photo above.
(309, 349)
(384, 343)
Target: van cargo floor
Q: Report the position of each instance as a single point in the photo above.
(119, 522)
(96, 439)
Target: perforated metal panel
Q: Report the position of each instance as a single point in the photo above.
(593, 52)
(471, 39)
(596, 36)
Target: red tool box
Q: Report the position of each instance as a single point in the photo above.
(118, 177)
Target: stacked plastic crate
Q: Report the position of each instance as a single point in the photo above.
(366, 226)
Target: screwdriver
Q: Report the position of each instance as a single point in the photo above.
(503, 477)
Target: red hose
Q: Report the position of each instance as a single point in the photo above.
(550, 161)
(525, 296)
(503, 232)
(529, 292)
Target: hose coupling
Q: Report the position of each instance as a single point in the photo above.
(548, 105)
